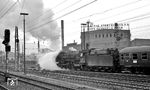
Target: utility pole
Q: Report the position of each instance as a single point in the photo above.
(17, 61)
(24, 14)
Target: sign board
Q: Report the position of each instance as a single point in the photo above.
(12, 81)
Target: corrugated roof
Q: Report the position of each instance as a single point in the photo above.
(135, 49)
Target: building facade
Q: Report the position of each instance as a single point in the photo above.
(72, 47)
(140, 42)
(106, 36)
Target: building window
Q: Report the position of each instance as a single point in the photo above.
(103, 35)
(95, 35)
(126, 56)
(144, 56)
(110, 35)
(122, 57)
(121, 34)
(99, 35)
(134, 56)
(106, 35)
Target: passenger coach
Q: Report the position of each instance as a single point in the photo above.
(136, 59)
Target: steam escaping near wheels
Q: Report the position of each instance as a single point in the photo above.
(47, 61)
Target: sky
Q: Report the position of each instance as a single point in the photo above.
(102, 12)
(43, 21)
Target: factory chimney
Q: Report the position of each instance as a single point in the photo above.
(62, 33)
(38, 46)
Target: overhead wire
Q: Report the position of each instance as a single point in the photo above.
(144, 26)
(23, 1)
(122, 12)
(62, 15)
(62, 10)
(34, 19)
(65, 8)
(118, 7)
(134, 17)
(9, 9)
(5, 4)
(59, 11)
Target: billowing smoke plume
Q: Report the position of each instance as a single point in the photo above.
(36, 21)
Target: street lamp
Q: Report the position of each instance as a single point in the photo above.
(24, 38)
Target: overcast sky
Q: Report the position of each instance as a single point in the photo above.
(103, 12)
(42, 16)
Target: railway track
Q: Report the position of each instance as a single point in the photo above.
(35, 83)
(3, 87)
(101, 80)
(124, 77)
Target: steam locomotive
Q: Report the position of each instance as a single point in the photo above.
(133, 59)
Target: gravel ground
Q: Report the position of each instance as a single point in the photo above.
(20, 86)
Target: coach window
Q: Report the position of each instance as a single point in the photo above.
(126, 56)
(122, 57)
(144, 56)
(134, 56)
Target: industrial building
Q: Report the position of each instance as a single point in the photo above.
(72, 47)
(140, 42)
(105, 36)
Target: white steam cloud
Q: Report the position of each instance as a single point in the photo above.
(49, 58)
(37, 16)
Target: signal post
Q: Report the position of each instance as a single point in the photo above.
(7, 49)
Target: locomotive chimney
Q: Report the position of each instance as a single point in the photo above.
(62, 33)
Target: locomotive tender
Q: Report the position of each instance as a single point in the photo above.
(134, 59)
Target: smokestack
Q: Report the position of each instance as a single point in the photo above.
(62, 33)
(38, 46)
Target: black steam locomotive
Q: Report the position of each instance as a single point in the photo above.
(134, 59)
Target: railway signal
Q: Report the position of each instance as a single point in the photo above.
(7, 49)
(6, 37)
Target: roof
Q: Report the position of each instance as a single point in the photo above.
(135, 49)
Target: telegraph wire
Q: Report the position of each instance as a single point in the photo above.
(122, 12)
(130, 3)
(66, 7)
(23, 1)
(144, 26)
(4, 6)
(134, 17)
(139, 19)
(59, 4)
(69, 6)
(63, 15)
(58, 11)
(48, 11)
(9, 9)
